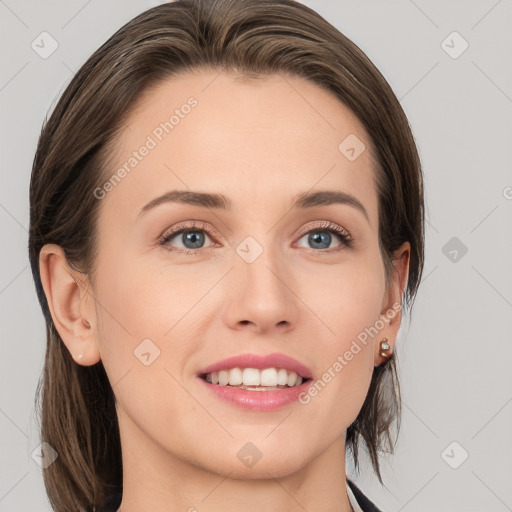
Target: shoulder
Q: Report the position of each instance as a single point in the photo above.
(365, 504)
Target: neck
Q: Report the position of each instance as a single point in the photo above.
(157, 480)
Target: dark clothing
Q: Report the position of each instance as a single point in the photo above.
(365, 504)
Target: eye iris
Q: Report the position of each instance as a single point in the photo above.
(319, 237)
(192, 236)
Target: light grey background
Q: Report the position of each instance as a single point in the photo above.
(454, 357)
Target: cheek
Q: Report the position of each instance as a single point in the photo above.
(150, 301)
(347, 297)
(146, 340)
(151, 319)
(349, 303)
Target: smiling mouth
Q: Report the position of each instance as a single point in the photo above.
(254, 379)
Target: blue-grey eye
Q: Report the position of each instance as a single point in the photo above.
(320, 239)
(186, 239)
(193, 239)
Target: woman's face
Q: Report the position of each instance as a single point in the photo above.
(256, 274)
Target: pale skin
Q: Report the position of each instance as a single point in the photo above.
(260, 144)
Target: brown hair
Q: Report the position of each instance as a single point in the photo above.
(78, 416)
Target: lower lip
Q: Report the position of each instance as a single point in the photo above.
(257, 400)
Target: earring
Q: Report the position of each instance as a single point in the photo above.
(384, 346)
(79, 357)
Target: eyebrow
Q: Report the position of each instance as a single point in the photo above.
(220, 201)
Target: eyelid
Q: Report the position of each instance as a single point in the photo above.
(324, 224)
(189, 226)
(212, 233)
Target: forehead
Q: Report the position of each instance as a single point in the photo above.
(212, 131)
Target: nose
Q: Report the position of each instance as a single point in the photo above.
(261, 296)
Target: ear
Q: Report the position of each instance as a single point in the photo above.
(391, 313)
(70, 304)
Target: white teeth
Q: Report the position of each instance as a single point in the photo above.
(282, 377)
(252, 377)
(235, 377)
(292, 379)
(268, 377)
(223, 378)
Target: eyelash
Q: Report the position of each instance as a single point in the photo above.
(324, 226)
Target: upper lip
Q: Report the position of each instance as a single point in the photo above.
(275, 360)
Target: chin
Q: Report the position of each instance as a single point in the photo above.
(246, 462)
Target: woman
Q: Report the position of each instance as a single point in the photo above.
(226, 220)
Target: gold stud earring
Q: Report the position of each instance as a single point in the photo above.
(384, 347)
